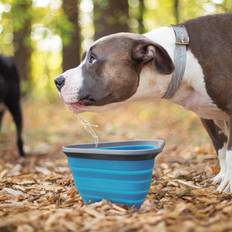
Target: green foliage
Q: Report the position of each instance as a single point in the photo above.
(158, 13)
(45, 66)
(16, 14)
(134, 15)
(223, 6)
(191, 8)
(63, 27)
(20, 13)
(161, 12)
(6, 36)
(54, 20)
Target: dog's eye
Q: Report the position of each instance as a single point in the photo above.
(92, 59)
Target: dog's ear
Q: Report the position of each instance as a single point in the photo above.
(145, 51)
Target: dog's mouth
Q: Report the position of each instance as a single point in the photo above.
(81, 103)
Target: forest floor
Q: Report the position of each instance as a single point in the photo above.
(37, 193)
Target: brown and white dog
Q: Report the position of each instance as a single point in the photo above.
(130, 66)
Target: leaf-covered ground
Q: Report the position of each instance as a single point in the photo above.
(37, 193)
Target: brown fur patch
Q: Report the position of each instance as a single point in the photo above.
(217, 136)
(211, 43)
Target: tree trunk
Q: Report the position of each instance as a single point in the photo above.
(71, 50)
(141, 29)
(22, 38)
(110, 17)
(176, 7)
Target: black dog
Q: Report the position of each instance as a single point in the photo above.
(10, 96)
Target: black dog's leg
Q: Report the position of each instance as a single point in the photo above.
(15, 110)
(219, 140)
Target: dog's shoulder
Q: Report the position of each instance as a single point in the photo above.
(210, 42)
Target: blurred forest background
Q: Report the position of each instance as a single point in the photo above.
(46, 37)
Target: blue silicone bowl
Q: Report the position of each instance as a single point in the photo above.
(119, 172)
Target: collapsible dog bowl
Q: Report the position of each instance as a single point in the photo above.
(118, 171)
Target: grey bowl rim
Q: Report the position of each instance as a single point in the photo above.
(84, 148)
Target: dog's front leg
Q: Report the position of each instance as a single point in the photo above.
(222, 163)
(219, 140)
(226, 184)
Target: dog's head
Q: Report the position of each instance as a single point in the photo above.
(110, 70)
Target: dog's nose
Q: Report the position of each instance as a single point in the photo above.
(59, 81)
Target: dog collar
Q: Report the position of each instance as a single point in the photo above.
(182, 40)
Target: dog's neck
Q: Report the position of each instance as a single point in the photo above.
(191, 94)
(154, 85)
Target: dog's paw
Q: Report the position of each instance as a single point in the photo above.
(226, 184)
(218, 178)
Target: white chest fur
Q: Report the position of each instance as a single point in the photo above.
(192, 93)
